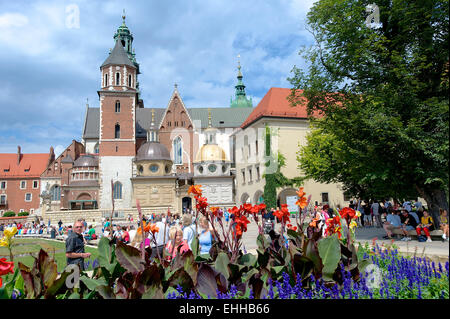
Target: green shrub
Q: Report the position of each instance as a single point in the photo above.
(9, 214)
(23, 214)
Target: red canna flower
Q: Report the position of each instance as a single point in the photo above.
(216, 211)
(5, 268)
(294, 228)
(241, 225)
(262, 206)
(348, 214)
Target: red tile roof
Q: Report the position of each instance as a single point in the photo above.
(275, 104)
(34, 163)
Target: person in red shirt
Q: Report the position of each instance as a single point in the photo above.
(125, 235)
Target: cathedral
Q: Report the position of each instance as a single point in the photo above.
(133, 154)
(151, 155)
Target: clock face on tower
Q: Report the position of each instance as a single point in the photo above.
(212, 168)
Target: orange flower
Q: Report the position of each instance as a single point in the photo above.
(153, 228)
(300, 192)
(302, 201)
(195, 189)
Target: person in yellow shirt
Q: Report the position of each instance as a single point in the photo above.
(444, 222)
(426, 224)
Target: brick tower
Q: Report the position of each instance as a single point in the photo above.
(117, 140)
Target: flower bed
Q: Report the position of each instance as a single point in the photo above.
(297, 263)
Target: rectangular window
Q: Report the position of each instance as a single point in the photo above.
(256, 147)
(257, 172)
(28, 197)
(3, 185)
(243, 176)
(23, 184)
(21, 210)
(32, 211)
(2, 199)
(35, 184)
(324, 198)
(249, 174)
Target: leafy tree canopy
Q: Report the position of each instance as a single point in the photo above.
(381, 91)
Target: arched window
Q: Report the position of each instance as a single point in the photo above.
(106, 80)
(117, 106)
(55, 191)
(177, 151)
(129, 80)
(117, 131)
(96, 148)
(117, 78)
(117, 191)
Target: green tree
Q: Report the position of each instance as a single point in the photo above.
(382, 93)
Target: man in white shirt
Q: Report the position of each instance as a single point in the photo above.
(161, 240)
(376, 212)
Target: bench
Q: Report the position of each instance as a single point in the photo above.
(412, 233)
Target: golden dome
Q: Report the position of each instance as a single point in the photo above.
(211, 152)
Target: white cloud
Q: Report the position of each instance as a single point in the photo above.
(192, 43)
(13, 20)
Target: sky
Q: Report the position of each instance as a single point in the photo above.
(51, 52)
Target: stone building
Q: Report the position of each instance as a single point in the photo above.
(287, 128)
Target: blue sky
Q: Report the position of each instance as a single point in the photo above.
(50, 66)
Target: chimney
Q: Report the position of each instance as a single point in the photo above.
(19, 155)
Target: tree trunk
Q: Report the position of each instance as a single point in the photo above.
(436, 198)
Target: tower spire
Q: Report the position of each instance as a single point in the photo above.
(241, 99)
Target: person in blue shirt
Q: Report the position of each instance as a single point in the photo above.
(205, 238)
(188, 229)
(392, 222)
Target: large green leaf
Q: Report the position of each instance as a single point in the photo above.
(195, 246)
(105, 291)
(330, 253)
(247, 260)
(262, 241)
(129, 258)
(6, 291)
(92, 283)
(105, 252)
(190, 266)
(221, 264)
